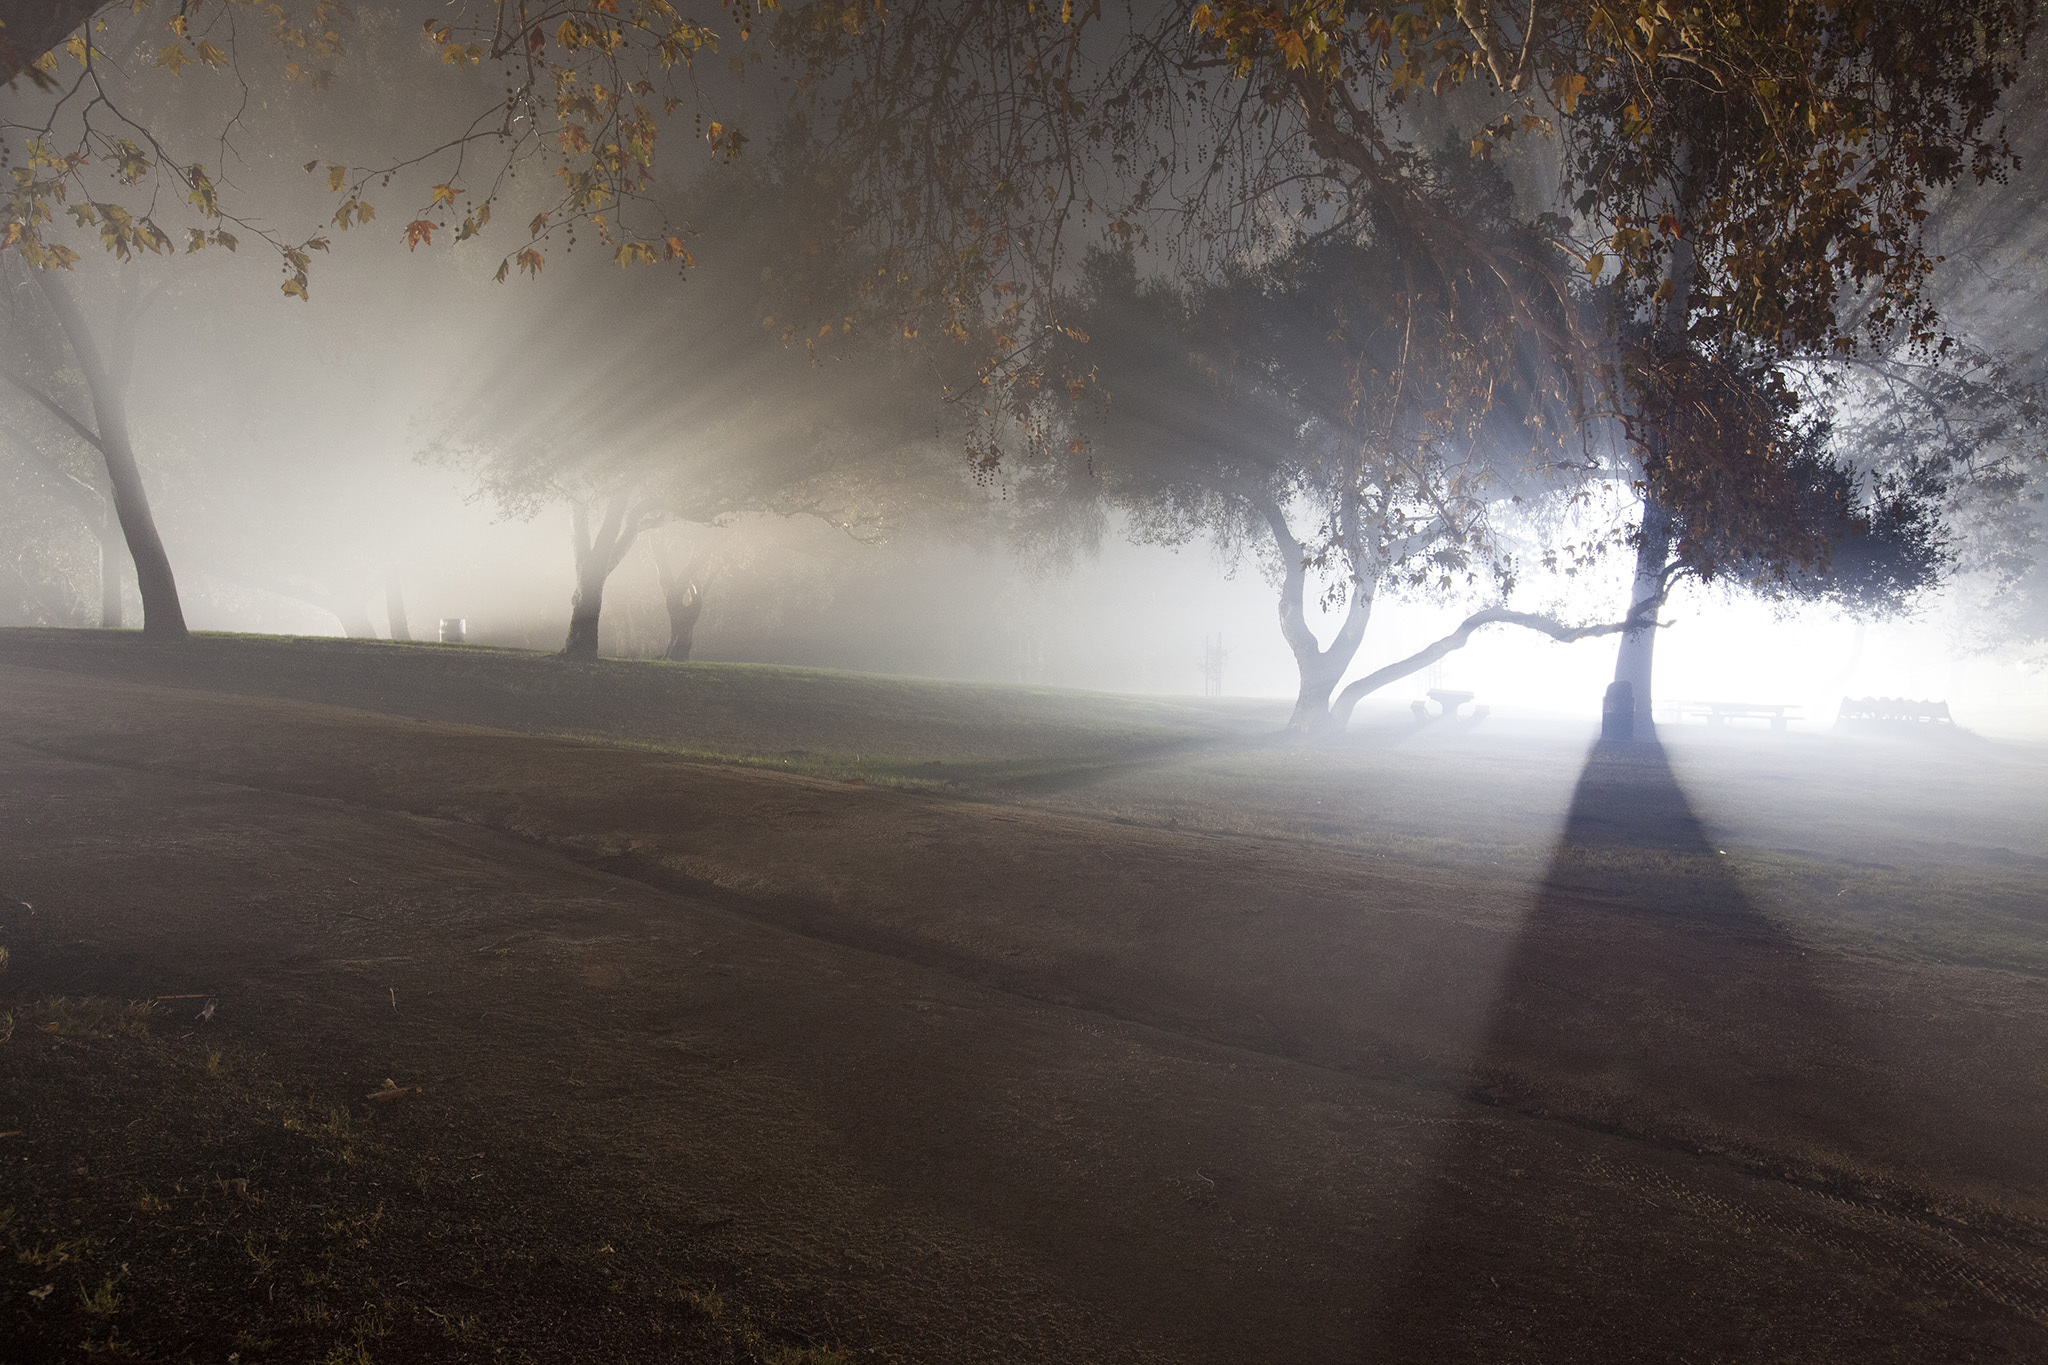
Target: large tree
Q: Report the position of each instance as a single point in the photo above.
(1746, 184)
(104, 371)
(1359, 418)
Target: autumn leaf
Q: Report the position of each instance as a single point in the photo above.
(532, 261)
(417, 231)
(443, 194)
(296, 288)
(1566, 90)
(337, 176)
(172, 58)
(537, 226)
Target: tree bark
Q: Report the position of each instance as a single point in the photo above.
(110, 578)
(1636, 653)
(1319, 668)
(33, 27)
(394, 609)
(683, 595)
(1626, 714)
(163, 616)
(596, 556)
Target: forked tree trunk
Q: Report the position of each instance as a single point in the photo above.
(683, 612)
(597, 554)
(1319, 668)
(394, 609)
(683, 594)
(163, 617)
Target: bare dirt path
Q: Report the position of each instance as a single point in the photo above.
(947, 1081)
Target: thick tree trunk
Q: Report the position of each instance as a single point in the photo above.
(33, 27)
(1627, 713)
(163, 617)
(1319, 668)
(596, 556)
(111, 554)
(583, 613)
(394, 609)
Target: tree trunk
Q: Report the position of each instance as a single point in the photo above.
(163, 617)
(394, 609)
(1319, 668)
(682, 624)
(596, 556)
(683, 595)
(1627, 715)
(110, 579)
(355, 619)
(583, 613)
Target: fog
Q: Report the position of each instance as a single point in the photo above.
(999, 707)
(417, 427)
(286, 450)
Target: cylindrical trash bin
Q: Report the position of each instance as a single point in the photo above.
(451, 629)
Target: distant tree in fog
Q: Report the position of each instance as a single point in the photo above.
(703, 407)
(61, 366)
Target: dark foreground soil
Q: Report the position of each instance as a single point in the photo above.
(335, 1035)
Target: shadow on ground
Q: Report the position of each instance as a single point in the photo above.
(1532, 1244)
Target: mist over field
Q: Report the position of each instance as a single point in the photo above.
(1164, 683)
(288, 456)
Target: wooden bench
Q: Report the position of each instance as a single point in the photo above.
(1721, 712)
(1894, 710)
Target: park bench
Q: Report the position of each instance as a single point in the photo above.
(1779, 715)
(1894, 710)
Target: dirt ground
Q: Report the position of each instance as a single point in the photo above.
(389, 1004)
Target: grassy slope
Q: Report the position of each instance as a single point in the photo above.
(1934, 851)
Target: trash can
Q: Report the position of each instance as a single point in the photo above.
(452, 629)
(1618, 712)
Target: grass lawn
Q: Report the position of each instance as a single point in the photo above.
(388, 1003)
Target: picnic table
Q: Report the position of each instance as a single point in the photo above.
(1448, 700)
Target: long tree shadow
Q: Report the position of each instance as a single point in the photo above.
(1654, 1038)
